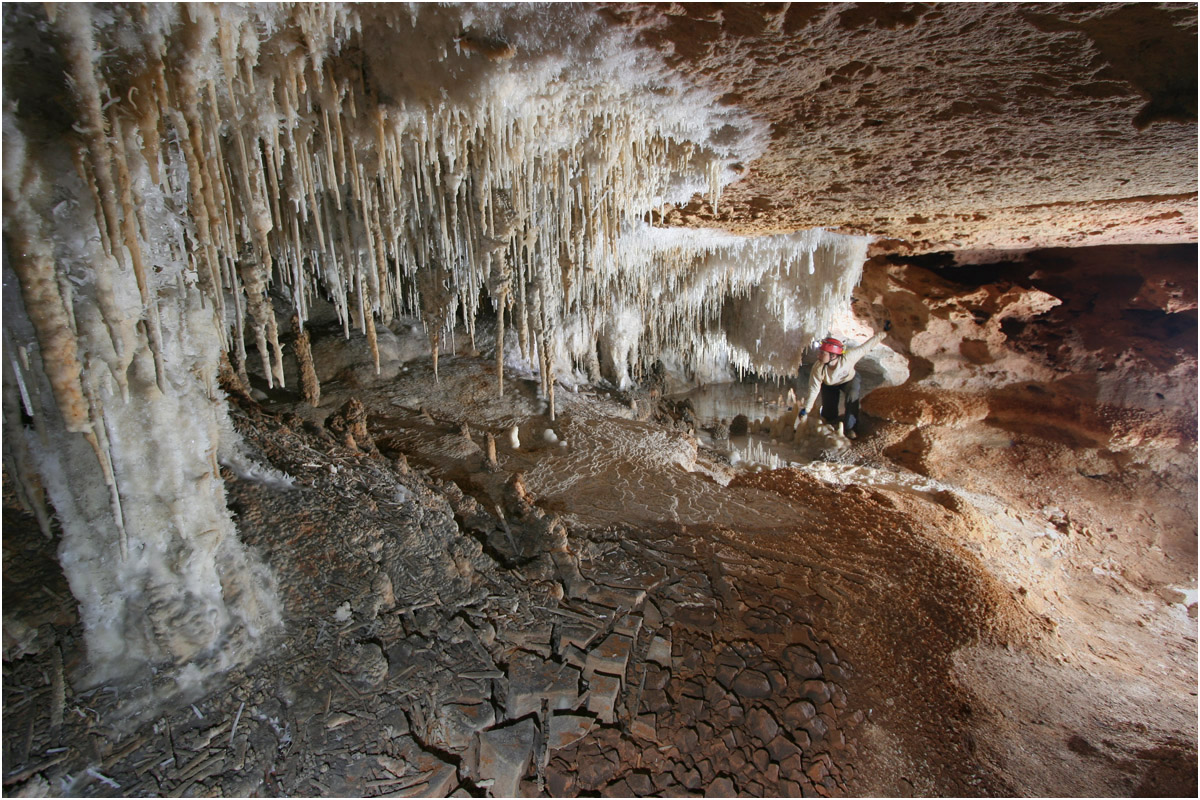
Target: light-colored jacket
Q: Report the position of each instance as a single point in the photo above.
(840, 370)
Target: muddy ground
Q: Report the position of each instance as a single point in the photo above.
(615, 609)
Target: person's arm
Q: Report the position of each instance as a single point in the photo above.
(851, 356)
(814, 389)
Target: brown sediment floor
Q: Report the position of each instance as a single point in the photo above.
(636, 617)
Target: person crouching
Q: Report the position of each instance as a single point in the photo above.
(833, 378)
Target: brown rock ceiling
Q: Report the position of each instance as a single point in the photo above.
(953, 126)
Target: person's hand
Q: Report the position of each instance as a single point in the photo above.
(887, 325)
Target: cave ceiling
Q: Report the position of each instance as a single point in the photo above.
(950, 127)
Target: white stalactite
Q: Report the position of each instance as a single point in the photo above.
(394, 159)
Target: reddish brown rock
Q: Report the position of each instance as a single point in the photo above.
(761, 725)
(721, 787)
(752, 685)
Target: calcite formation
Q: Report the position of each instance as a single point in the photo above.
(173, 172)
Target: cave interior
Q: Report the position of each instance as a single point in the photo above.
(405, 399)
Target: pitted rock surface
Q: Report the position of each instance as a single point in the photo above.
(960, 127)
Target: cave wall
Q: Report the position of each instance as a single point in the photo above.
(1097, 345)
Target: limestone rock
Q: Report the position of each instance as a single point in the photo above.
(644, 727)
(660, 652)
(566, 729)
(916, 406)
(603, 692)
(865, 58)
(456, 724)
(532, 680)
(609, 657)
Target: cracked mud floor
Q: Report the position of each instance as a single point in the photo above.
(616, 610)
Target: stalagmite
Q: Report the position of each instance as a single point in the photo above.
(373, 344)
(492, 459)
(500, 342)
(434, 342)
(310, 387)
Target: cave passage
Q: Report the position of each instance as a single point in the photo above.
(404, 400)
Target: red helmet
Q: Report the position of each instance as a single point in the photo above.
(831, 345)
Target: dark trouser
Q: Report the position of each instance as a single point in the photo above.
(830, 395)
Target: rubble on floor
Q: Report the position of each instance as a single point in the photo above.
(622, 615)
(416, 664)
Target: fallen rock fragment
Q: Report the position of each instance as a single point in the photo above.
(603, 693)
(751, 684)
(504, 756)
(761, 725)
(659, 652)
(456, 724)
(618, 788)
(781, 748)
(566, 729)
(640, 784)
(802, 662)
(610, 657)
(818, 692)
(532, 680)
(798, 713)
(644, 727)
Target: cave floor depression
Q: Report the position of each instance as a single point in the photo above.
(616, 609)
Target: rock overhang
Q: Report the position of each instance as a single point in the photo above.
(951, 127)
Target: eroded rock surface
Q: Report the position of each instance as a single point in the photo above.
(952, 127)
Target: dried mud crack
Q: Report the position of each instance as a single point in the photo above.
(578, 619)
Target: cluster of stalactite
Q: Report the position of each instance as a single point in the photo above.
(295, 175)
(207, 169)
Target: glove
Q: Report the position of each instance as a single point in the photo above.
(887, 325)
